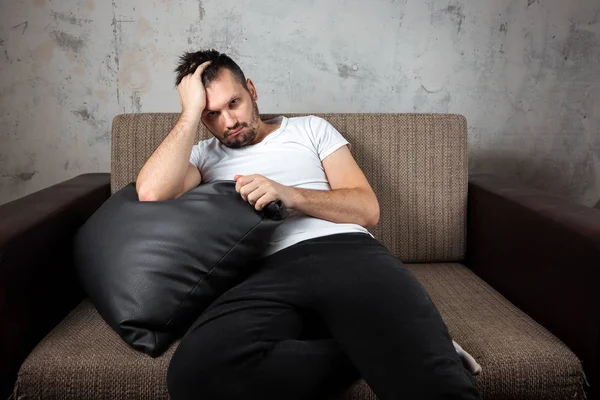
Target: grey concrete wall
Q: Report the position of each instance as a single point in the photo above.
(525, 73)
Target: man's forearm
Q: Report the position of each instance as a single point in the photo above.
(355, 206)
(163, 174)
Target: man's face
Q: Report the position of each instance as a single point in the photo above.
(231, 113)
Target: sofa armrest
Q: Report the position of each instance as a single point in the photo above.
(38, 286)
(543, 254)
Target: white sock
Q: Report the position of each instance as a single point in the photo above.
(467, 359)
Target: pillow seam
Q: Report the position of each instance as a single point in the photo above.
(209, 272)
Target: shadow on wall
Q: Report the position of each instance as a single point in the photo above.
(546, 174)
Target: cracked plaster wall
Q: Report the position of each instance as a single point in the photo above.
(525, 73)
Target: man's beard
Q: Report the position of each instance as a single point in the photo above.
(243, 139)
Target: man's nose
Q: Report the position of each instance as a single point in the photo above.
(230, 120)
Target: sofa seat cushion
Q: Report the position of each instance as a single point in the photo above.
(83, 358)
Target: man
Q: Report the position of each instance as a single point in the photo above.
(328, 303)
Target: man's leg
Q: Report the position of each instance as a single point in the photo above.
(382, 317)
(256, 348)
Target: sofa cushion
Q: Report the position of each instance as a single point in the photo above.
(151, 268)
(82, 358)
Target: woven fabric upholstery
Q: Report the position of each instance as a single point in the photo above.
(82, 358)
(519, 357)
(416, 164)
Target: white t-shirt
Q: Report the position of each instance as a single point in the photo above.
(290, 155)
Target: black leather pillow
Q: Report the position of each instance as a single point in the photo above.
(150, 268)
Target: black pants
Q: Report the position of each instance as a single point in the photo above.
(313, 318)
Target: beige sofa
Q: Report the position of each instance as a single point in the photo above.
(488, 252)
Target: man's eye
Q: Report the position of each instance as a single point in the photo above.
(212, 114)
(234, 101)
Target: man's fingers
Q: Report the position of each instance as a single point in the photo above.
(251, 193)
(238, 182)
(244, 179)
(263, 201)
(201, 68)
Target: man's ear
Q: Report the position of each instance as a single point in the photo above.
(251, 89)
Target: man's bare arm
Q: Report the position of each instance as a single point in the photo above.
(350, 206)
(351, 198)
(191, 180)
(163, 175)
(167, 172)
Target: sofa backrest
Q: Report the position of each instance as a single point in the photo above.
(416, 164)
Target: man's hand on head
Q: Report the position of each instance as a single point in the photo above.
(192, 93)
(260, 191)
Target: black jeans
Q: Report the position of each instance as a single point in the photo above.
(312, 319)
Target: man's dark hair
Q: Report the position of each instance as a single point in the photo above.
(188, 63)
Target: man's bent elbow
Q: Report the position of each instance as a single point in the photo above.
(144, 194)
(375, 212)
(376, 217)
(372, 219)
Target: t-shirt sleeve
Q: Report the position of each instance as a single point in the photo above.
(196, 155)
(327, 138)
